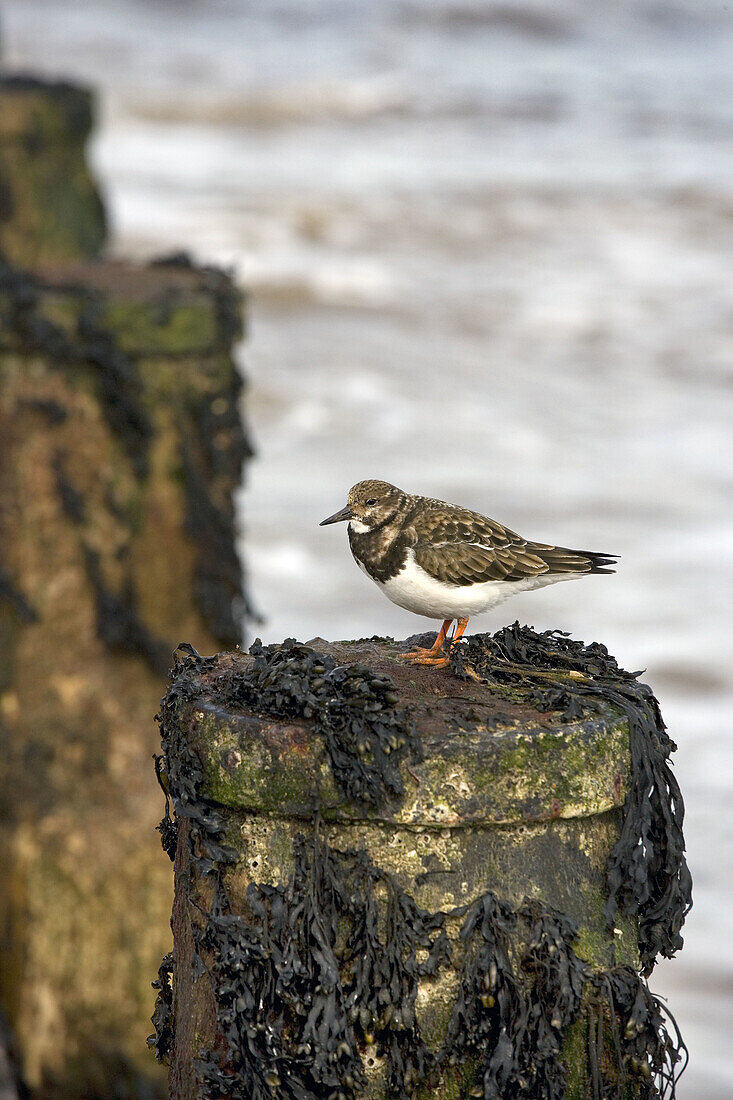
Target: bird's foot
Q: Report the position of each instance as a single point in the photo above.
(420, 655)
(425, 657)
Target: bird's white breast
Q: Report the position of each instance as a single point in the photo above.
(416, 591)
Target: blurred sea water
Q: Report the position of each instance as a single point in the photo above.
(489, 250)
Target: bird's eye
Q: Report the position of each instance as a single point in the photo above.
(372, 500)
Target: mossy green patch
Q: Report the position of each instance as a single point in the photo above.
(162, 328)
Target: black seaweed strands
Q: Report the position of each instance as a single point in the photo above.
(308, 977)
(217, 449)
(92, 347)
(553, 978)
(180, 774)
(522, 986)
(490, 1009)
(162, 1019)
(218, 586)
(648, 876)
(119, 624)
(11, 594)
(515, 1021)
(353, 709)
(384, 968)
(645, 1048)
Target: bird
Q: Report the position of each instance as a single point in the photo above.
(447, 562)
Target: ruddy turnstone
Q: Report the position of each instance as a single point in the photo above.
(447, 562)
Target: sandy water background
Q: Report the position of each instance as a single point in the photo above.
(489, 254)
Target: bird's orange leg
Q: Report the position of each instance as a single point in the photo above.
(442, 661)
(421, 654)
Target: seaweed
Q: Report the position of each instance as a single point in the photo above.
(119, 385)
(54, 411)
(553, 983)
(180, 258)
(385, 969)
(167, 826)
(11, 594)
(306, 979)
(280, 998)
(218, 570)
(647, 1051)
(118, 622)
(180, 773)
(7, 202)
(648, 876)
(515, 1018)
(161, 1040)
(353, 709)
(490, 1008)
(91, 347)
(12, 1085)
(217, 449)
(72, 501)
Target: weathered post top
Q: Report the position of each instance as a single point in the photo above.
(433, 864)
(50, 208)
(485, 758)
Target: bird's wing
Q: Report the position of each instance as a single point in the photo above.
(467, 548)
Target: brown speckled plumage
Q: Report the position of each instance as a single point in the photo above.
(452, 544)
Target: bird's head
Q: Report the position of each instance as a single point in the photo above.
(368, 504)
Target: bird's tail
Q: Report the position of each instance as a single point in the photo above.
(599, 563)
(560, 559)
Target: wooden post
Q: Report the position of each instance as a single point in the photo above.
(392, 880)
(122, 446)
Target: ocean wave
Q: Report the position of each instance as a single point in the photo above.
(357, 282)
(307, 101)
(539, 19)
(536, 20)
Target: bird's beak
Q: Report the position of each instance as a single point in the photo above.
(344, 513)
